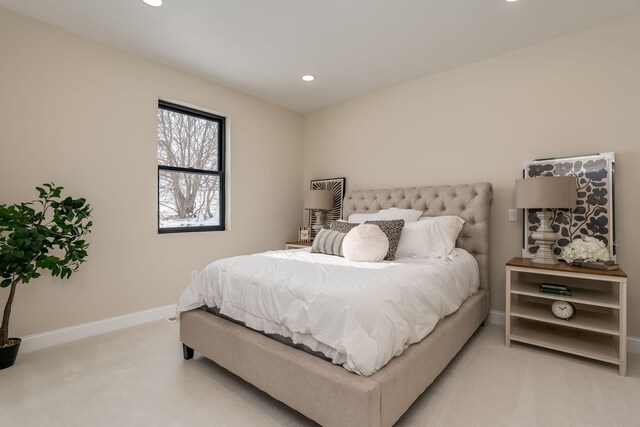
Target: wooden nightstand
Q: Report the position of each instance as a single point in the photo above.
(297, 245)
(597, 331)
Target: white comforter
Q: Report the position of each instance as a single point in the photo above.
(360, 315)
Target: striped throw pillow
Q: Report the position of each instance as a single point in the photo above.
(328, 242)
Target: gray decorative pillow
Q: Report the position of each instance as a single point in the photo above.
(343, 226)
(393, 230)
(328, 242)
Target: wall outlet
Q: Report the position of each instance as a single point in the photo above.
(194, 273)
(513, 215)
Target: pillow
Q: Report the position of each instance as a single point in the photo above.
(365, 243)
(328, 242)
(425, 239)
(392, 229)
(360, 218)
(343, 226)
(409, 215)
(451, 224)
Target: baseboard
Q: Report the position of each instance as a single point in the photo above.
(498, 318)
(72, 333)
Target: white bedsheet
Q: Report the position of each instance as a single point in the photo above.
(360, 315)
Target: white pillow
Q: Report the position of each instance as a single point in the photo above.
(362, 217)
(452, 224)
(409, 215)
(365, 243)
(425, 239)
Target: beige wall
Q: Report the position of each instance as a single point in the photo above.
(83, 115)
(574, 95)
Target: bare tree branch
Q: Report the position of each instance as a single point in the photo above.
(190, 142)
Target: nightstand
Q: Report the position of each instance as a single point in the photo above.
(598, 330)
(297, 245)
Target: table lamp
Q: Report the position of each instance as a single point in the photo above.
(545, 193)
(319, 202)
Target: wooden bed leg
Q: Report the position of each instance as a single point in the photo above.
(187, 352)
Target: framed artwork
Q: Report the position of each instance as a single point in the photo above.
(338, 188)
(303, 234)
(594, 214)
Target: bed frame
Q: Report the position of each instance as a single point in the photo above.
(327, 393)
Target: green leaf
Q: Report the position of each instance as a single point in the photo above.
(32, 232)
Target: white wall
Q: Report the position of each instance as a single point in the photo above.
(83, 115)
(574, 95)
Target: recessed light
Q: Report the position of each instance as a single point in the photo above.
(154, 3)
(308, 78)
(511, 1)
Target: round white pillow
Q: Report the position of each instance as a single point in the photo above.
(365, 243)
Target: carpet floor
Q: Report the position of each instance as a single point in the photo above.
(137, 377)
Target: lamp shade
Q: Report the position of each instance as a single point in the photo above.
(318, 200)
(546, 192)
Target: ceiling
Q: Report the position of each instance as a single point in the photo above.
(353, 47)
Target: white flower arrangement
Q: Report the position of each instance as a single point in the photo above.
(585, 249)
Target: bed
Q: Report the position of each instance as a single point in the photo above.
(328, 393)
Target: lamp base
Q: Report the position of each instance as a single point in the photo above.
(545, 255)
(545, 237)
(319, 221)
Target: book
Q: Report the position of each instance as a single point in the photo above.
(566, 293)
(605, 267)
(601, 262)
(554, 292)
(552, 286)
(597, 265)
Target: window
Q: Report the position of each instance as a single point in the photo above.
(190, 169)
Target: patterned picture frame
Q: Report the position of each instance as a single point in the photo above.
(303, 235)
(338, 188)
(594, 214)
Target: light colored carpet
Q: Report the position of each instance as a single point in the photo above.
(137, 377)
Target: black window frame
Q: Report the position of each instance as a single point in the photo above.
(220, 172)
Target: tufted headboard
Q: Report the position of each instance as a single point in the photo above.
(471, 202)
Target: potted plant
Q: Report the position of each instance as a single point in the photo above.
(44, 234)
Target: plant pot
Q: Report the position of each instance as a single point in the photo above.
(9, 353)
